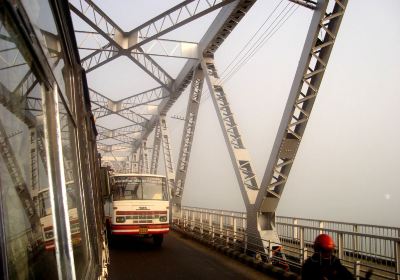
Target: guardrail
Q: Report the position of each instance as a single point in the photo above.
(361, 247)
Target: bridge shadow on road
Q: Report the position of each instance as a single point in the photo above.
(177, 258)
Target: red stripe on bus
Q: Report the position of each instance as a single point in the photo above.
(140, 212)
(162, 226)
(137, 233)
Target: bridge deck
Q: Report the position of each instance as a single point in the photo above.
(178, 258)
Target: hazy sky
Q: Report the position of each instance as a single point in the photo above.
(347, 167)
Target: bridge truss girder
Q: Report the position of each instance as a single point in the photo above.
(318, 46)
(143, 43)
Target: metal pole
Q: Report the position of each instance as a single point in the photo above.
(397, 256)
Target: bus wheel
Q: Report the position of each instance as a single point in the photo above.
(158, 239)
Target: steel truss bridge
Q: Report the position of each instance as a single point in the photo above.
(127, 148)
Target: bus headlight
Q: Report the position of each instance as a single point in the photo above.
(120, 219)
(49, 234)
(163, 218)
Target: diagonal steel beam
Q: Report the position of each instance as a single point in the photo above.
(26, 85)
(226, 20)
(318, 46)
(173, 18)
(143, 98)
(240, 157)
(108, 107)
(151, 67)
(125, 130)
(118, 44)
(99, 57)
(156, 149)
(106, 135)
(119, 134)
(171, 48)
(188, 134)
(100, 22)
(167, 152)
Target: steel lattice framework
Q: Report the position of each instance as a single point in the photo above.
(126, 148)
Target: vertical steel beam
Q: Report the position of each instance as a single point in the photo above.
(188, 134)
(145, 157)
(319, 42)
(156, 149)
(141, 167)
(169, 166)
(134, 162)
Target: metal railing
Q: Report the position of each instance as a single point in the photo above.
(361, 247)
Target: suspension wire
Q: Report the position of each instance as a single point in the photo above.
(255, 47)
(262, 43)
(254, 35)
(255, 44)
(250, 53)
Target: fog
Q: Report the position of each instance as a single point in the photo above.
(347, 167)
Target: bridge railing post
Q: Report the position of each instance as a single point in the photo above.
(211, 225)
(234, 229)
(245, 243)
(185, 220)
(355, 239)
(301, 244)
(340, 246)
(397, 258)
(220, 226)
(270, 251)
(305, 255)
(295, 229)
(192, 220)
(201, 222)
(321, 226)
(357, 270)
(181, 218)
(190, 216)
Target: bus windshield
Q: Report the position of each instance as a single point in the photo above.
(139, 188)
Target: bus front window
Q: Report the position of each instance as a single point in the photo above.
(140, 188)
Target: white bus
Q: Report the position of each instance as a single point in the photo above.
(138, 205)
(46, 217)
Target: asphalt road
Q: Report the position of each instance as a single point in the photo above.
(178, 258)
